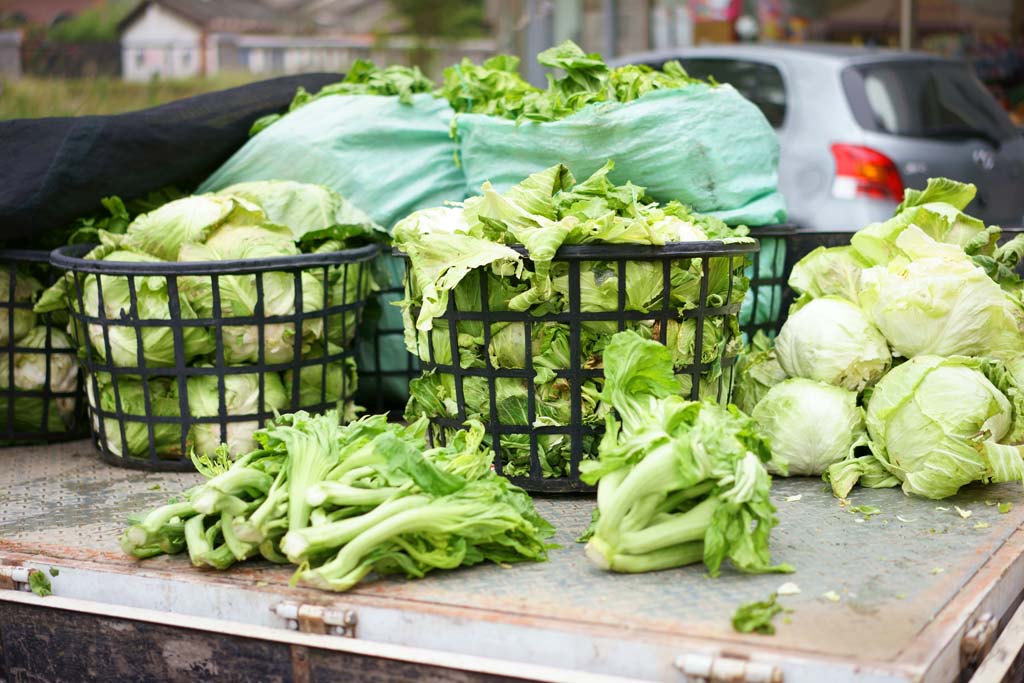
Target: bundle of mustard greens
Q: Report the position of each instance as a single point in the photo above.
(341, 502)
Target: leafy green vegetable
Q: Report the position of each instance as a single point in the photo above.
(342, 502)
(757, 371)
(792, 415)
(830, 340)
(756, 617)
(1005, 508)
(363, 78)
(496, 88)
(39, 584)
(935, 301)
(678, 481)
(937, 424)
(461, 252)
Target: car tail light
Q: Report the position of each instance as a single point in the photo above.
(863, 172)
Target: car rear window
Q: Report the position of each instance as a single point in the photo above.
(924, 99)
(759, 82)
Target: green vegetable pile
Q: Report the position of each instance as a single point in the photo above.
(363, 78)
(678, 481)
(496, 88)
(457, 251)
(342, 502)
(908, 341)
(246, 221)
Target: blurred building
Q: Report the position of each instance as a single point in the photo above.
(10, 54)
(186, 38)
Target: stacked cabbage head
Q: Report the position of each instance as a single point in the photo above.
(917, 326)
(288, 351)
(38, 371)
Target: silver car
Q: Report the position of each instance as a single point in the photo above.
(857, 125)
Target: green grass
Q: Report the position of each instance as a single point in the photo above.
(35, 97)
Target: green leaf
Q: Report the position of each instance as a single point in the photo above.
(39, 584)
(756, 617)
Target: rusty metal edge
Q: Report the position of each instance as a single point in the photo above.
(996, 587)
(998, 665)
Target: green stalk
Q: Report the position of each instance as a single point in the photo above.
(270, 551)
(211, 501)
(674, 500)
(301, 544)
(640, 514)
(431, 518)
(254, 529)
(239, 479)
(343, 495)
(655, 473)
(240, 549)
(666, 558)
(195, 539)
(680, 528)
(608, 485)
(149, 530)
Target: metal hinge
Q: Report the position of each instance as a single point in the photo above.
(336, 621)
(699, 668)
(978, 640)
(16, 578)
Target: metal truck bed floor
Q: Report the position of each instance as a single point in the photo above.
(902, 587)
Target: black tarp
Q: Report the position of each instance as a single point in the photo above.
(53, 170)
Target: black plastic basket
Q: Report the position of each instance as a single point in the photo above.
(51, 408)
(764, 306)
(385, 366)
(583, 438)
(140, 410)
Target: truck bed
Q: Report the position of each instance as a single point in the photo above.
(884, 599)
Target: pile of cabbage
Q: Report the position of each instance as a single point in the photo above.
(29, 348)
(901, 362)
(454, 252)
(246, 221)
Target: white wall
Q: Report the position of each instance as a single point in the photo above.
(161, 43)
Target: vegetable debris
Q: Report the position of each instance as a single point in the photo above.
(756, 617)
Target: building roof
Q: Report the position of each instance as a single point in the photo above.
(932, 16)
(240, 16)
(44, 11)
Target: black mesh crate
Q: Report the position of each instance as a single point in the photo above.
(764, 306)
(40, 381)
(540, 438)
(176, 361)
(385, 365)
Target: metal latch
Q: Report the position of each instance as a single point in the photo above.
(725, 669)
(336, 621)
(16, 578)
(978, 640)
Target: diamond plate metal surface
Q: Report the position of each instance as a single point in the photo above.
(892, 574)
